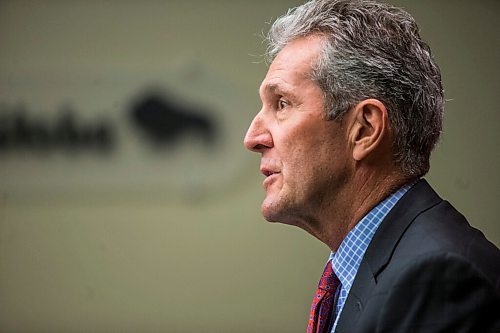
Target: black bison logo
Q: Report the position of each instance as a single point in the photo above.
(164, 122)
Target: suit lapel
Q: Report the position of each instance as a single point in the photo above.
(378, 254)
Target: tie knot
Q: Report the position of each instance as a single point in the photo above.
(329, 281)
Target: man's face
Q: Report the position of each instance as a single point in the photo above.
(304, 156)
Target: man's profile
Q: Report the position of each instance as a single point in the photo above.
(352, 107)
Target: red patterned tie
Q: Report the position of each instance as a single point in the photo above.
(322, 304)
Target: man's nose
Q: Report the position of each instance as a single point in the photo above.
(258, 137)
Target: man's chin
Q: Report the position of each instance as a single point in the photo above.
(273, 211)
(270, 212)
(268, 216)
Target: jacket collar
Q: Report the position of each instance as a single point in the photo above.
(418, 199)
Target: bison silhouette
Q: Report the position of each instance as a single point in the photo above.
(164, 122)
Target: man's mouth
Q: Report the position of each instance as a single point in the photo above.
(270, 174)
(268, 171)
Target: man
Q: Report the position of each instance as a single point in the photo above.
(351, 110)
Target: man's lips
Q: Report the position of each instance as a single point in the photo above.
(267, 171)
(270, 174)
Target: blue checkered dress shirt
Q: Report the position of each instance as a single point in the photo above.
(345, 262)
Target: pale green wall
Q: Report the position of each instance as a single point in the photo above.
(145, 259)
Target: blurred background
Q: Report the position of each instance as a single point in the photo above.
(127, 201)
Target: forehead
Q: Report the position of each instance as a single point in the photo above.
(293, 64)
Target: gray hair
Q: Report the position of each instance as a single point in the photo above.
(372, 50)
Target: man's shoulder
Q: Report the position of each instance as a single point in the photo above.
(440, 231)
(436, 292)
(427, 287)
(426, 269)
(442, 275)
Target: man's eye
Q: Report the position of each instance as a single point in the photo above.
(282, 104)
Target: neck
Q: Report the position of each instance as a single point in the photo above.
(355, 201)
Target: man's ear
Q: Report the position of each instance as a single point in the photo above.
(370, 126)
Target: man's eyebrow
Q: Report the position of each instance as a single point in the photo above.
(276, 88)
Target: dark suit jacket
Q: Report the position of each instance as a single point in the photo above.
(426, 270)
